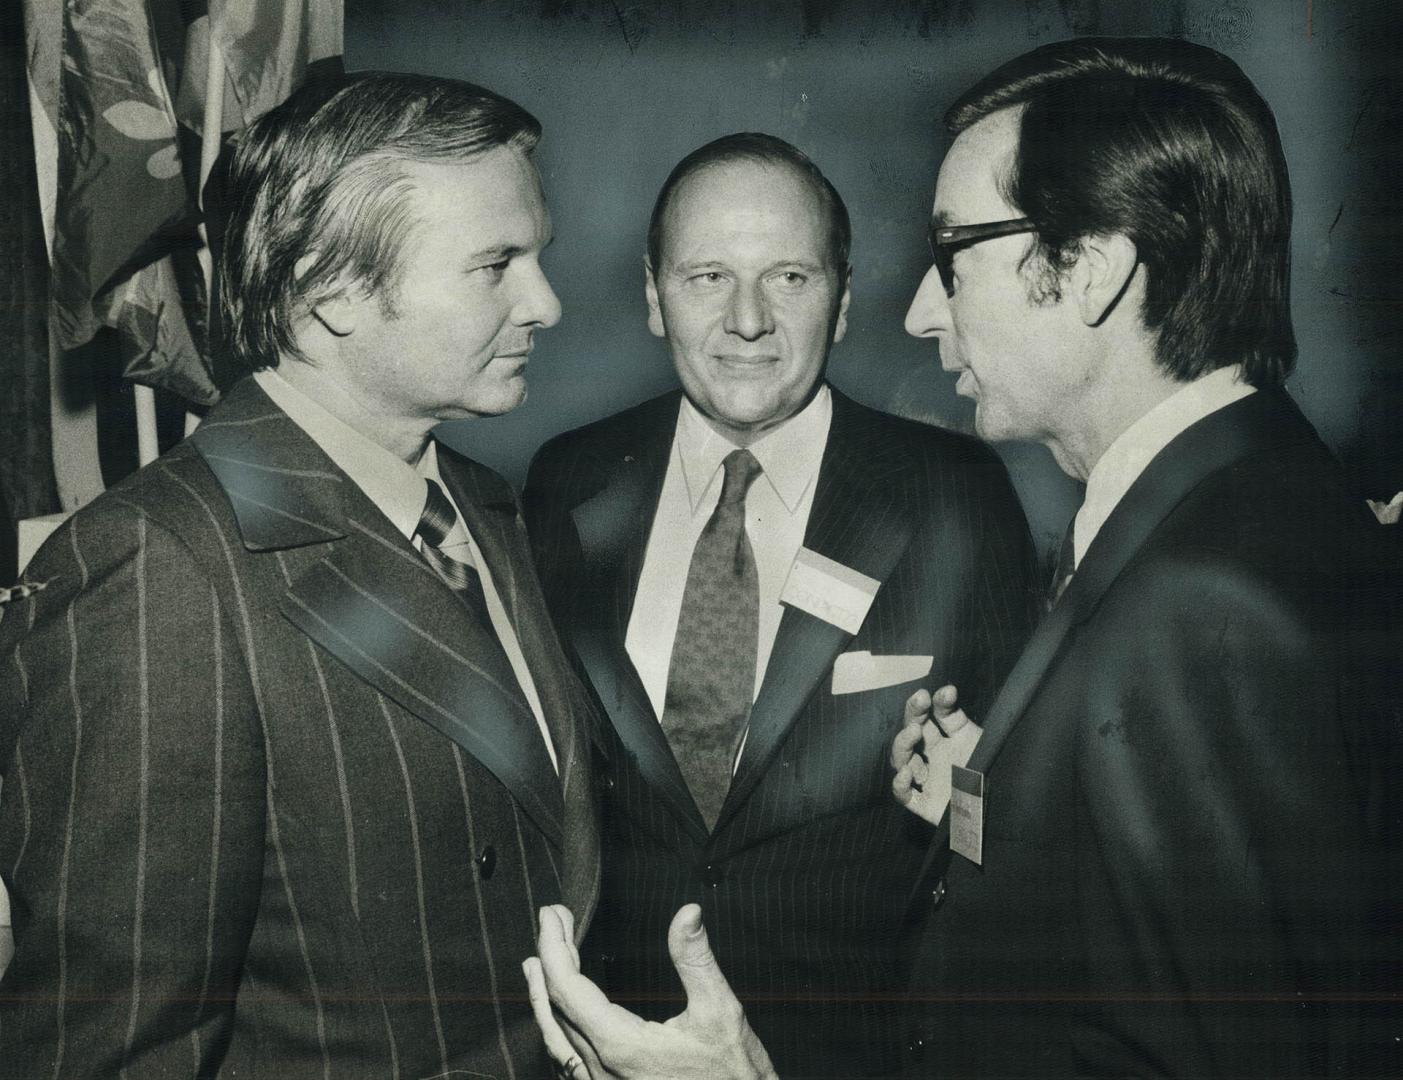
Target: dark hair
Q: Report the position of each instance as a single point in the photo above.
(324, 173)
(766, 150)
(1169, 144)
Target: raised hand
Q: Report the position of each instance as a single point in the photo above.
(935, 736)
(589, 1036)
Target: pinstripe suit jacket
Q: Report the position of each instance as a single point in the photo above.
(271, 806)
(805, 878)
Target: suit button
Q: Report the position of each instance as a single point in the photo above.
(937, 894)
(487, 862)
(712, 874)
(607, 783)
(915, 1046)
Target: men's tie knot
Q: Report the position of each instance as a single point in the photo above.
(741, 471)
(436, 521)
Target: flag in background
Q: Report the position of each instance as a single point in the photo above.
(268, 46)
(125, 242)
(122, 204)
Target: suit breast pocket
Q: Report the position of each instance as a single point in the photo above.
(860, 670)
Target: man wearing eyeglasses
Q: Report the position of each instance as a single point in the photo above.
(1169, 837)
(1172, 851)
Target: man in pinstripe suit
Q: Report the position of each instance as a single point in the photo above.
(794, 848)
(291, 753)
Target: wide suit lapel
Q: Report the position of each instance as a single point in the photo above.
(490, 513)
(371, 601)
(613, 523)
(857, 519)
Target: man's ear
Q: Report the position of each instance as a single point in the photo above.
(1103, 273)
(655, 311)
(336, 312)
(339, 313)
(840, 325)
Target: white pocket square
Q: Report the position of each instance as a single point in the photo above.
(857, 671)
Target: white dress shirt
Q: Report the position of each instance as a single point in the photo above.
(776, 515)
(399, 492)
(1133, 450)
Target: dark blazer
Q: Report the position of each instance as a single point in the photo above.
(804, 881)
(1187, 825)
(271, 807)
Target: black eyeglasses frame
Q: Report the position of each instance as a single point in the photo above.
(946, 240)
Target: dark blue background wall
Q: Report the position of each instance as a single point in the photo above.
(626, 89)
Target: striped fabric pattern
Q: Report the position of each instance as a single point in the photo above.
(805, 880)
(244, 822)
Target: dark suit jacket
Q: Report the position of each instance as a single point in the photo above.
(271, 807)
(1186, 819)
(804, 881)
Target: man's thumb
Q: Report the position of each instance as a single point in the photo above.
(701, 976)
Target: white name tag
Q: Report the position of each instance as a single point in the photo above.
(967, 813)
(829, 590)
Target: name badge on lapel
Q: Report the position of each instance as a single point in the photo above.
(829, 590)
(967, 813)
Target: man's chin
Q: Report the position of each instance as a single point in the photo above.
(745, 421)
(993, 428)
(987, 425)
(510, 397)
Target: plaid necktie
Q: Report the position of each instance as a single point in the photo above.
(711, 680)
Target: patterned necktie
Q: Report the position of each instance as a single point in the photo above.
(435, 523)
(1066, 565)
(711, 680)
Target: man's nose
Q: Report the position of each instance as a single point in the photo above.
(537, 305)
(929, 313)
(748, 313)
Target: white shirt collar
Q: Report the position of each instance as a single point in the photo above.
(397, 489)
(789, 454)
(1133, 450)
